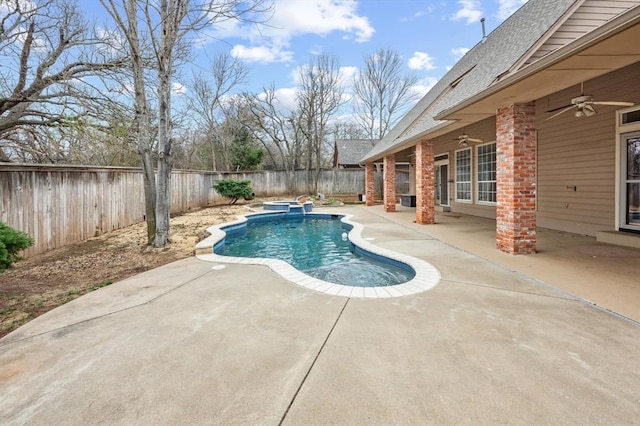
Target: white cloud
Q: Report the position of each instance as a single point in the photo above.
(429, 9)
(421, 61)
(178, 88)
(285, 99)
(347, 73)
(423, 86)
(470, 11)
(262, 54)
(295, 18)
(459, 52)
(507, 7)
(26, 7)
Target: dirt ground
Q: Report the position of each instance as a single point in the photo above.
(45, 281)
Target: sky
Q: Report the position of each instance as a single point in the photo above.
(430, 35)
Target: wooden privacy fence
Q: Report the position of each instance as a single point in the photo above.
(59, 205)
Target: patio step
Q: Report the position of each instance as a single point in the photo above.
(619, 238)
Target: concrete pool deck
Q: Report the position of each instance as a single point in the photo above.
(186, 343)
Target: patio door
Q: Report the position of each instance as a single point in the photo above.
(442, 183)
(630, 182)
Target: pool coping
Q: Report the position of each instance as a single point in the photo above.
(427, 276)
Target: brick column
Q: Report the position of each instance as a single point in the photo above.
(425, 183)
(369, 181)
(389, 165)
(516, 179)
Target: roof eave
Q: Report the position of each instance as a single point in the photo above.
(625, 20)
(407, 143)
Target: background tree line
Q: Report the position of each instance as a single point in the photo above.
(73, 92)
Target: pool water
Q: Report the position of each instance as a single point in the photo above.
(315, 246)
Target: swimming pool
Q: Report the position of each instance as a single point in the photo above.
(425, 275)
(316, 245)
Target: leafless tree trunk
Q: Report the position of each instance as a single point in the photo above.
(274, 129)
(382, 92)
(208, 91)
(167, 24)
(127, 21)
(319, 98)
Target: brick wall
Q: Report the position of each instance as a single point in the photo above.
(516, 178)
(369, 183)
(389, 183)
(425, 183)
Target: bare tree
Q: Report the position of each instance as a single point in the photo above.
(319, 98)
(382, 92)
(274, 127)
(167, 24)
(347, 130)
(49, 56)
(125, 16)
(207, 101)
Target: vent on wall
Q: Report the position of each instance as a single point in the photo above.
(630, 117)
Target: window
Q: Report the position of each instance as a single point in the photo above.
(463, 175)
(486, 157)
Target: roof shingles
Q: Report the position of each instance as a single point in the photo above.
(351, 151)
(482, 65)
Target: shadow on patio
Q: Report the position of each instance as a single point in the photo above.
(603, 274)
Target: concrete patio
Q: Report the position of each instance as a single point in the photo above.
(495, 341)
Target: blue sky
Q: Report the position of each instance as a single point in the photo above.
(431, 35)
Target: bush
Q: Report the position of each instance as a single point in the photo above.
(11, 242)
(234, 189)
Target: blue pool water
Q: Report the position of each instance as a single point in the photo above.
(315, 246)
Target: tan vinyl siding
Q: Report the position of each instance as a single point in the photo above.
(580, 153)
(590, 15)
(485, 130)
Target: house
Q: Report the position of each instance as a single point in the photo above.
(348, 152)
(537, 125)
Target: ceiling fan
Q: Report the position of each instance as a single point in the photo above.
(584, 105)
(464, 139)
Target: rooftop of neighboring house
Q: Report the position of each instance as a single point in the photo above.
(351, 151)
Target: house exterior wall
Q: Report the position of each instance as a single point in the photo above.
(576, 157)
(485, 130)
(571, 152)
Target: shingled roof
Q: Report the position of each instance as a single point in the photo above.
(350, 151)
(488, 61)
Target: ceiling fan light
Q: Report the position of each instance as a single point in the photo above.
(579, 113)
(589, 111)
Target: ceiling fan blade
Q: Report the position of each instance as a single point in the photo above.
(475, 140)
(613, 103)
(559, 108)
(560, 112)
